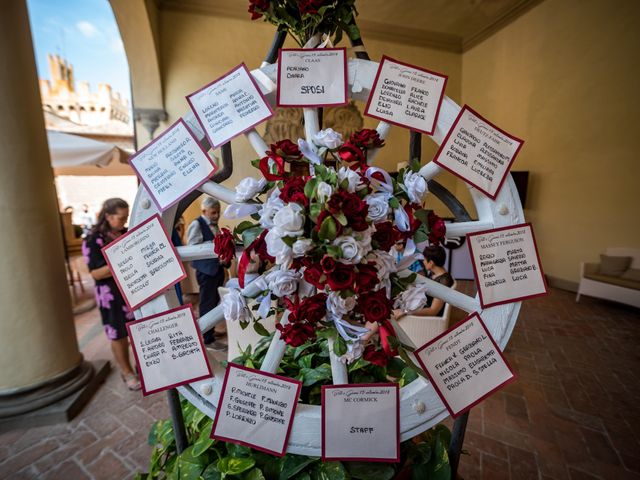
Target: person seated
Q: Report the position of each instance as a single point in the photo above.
(434, 260)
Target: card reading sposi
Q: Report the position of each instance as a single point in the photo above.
(361, 422)
(172, 165)
(169, 350)
(229, 106)
(143, 262)
(256, 409)
(312, 78)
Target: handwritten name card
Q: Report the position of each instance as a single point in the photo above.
(478, 152)
(172, 165)
(168, 349)
(229, 106)
(464, 365)
(361, 422)
(312, 78)
(506, 265)
(256, 409)
(143, 262)
(406, 95)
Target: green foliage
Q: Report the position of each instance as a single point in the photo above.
(425, 457)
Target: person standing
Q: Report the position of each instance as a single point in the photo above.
(113, 309)
(209, 272)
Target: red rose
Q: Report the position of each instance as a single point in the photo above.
(265, 167)
(367, 278)
(359, 222)
(314, 275)
(296, 334)
(375, 306)
(366, 138)
(385, 236)
(309, 6)
(293, 191)
(224, 246)
(354, 206)
(257, 8)
(341, 278)
(351, 154)
(437, 229)
(328, 264)
(377, 357)
(313, 308)
(285, 148)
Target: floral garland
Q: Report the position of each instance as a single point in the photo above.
(329, 233)
(303, 18)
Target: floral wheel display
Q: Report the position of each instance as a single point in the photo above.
(320, 218)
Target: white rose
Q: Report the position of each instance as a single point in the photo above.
(289, 220)
(354, 352)
(301, 246)
(235, 307)
(415, 185)
(338, 305)
(328, 138)
(385, 263)
(364, 240)
(277, 248)
(248, 188)
(351, 252)
(353, 179)
(378, 206)
(323, 191)
(272, 206)
(413, 298)
(283, 282)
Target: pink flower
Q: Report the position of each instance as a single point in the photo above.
(103, 296)
(85, 252)
(110, 332)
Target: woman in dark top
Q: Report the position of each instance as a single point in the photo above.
(113, 309)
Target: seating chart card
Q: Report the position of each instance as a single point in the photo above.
(169, 350)
(361, 422)
(144, 262)
(172, 165)
(406, 95)
(312, 78)
(506, 265)
(464, 365)
(229, 106)
(256, 409)
(478, 152)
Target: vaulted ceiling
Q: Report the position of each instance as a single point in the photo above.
(453, 25)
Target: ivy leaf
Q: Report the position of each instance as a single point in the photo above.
(328, 471)
(255, 474)
(260, 330)
(238, 451)
(311, 376)
(293, 464)
(339, 346)
(370, 471)
(328, 229)
(203, 443)
(235, 466)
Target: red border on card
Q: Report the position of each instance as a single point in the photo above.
(135, 352)
(453, 414)
(143, 181)
(475, 270)
(375, 84)
(242, 65)
(360, 385)
(457, 174)
(248, 444)
(346, 78)
(122, 237)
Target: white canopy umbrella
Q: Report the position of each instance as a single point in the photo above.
(76, 155)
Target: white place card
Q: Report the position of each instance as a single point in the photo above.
(406, 95)
(256, 409)
(229, 106)
(464, 365)
(312, 78)
(506, 265)
(361, 422)
(478, 152)
(169, 350)
(172, 165)
(143, 262)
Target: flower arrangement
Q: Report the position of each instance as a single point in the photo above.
(304, 18)
(327, 222)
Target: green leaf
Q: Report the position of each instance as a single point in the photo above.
(152, 439)
(234, 466)
(242, 226)
(256, 163)
(306, 361)
(408, 375)
(314, 211)
(238, 451)
(328, 229)
(255, 474)
(339, 346)
(260, 330)
(314, 375)
(211, 473)
(422, 215)
(250, 234)
(334, 251)
(310, 188)
(328, 471)
(294, 464)
(370, 471)
(203, 443)
(341, 217)
(420, 236)
(289, 241)
(394, 203)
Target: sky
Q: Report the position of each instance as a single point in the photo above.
(86, 34)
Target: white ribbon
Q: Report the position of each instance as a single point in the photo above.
(240, 210)
(349, 332)
(386, 186)
(402, 219)
(410, 247)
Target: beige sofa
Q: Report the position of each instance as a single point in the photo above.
(617, 289)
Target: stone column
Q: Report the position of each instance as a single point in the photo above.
(38, 347)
